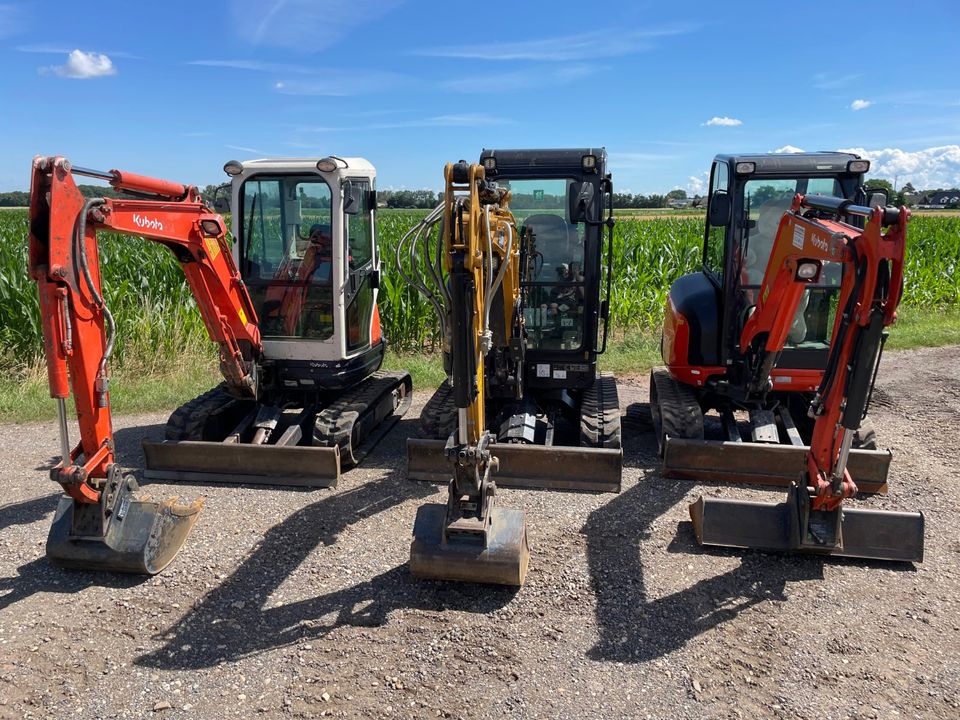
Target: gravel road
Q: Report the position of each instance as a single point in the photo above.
(288, 603)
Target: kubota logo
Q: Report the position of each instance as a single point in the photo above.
(149, 223)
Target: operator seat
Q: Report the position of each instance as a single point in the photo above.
(553, 239)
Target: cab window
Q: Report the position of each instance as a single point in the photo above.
(715, 237)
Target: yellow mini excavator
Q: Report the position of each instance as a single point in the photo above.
(519, 303)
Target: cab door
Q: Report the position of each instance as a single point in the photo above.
(360, 267)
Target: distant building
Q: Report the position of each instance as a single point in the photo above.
(940, 200)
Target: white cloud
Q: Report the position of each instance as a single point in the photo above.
(831, 81)
(304, 25)
(697, 184)
(520, 79)
(11, 20)
(53, 49)
(252, 151)
(611, 42)
(723, 121)
(336, 82)
(789, 149)
(256, 66)
(924, 169)
(82, 65)
(860, 104)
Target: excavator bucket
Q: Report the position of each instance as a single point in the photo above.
(128, 531)
(499, 555)
(791, 526)
(501, 558)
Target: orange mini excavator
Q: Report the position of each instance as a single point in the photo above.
(811, 245)
(282, 425)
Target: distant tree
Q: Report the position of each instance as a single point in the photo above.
(16, 198)
(677, 194)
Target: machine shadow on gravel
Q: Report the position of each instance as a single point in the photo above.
(39, 576)
(634, 628)
(231, 621)
(28, 511)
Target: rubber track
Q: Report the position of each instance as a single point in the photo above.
(439, 416)
(680, 413)
(600, 414)
(334, 424)
(187, 422)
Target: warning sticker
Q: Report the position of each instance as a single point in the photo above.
(798, 233)
(543, 370)
(559, 374)
(213, 247)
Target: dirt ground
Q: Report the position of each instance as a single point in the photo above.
(289, 603)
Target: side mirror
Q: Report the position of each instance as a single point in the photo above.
(719, 212)
(877, 197)
(581, 202)
(221, 198)
(351, 202)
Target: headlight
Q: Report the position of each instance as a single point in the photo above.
(858, 166)
(211, 228)
(233, 167)
(588, 163)
(745, 168)
(808, 270)
(490, 164)
(326, 164)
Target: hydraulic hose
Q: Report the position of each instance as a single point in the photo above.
(79, 239)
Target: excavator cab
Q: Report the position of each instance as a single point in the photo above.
(562, 199)
(304, 243)
(287, 214)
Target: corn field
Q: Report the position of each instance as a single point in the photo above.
(157, 318)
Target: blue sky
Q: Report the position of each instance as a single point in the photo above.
(176, 89)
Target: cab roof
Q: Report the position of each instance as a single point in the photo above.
(285, 164)
(780, 163)
(540, 162)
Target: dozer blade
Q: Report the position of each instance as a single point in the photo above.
(862, 533)
(527, 466)
(129, 531)
(763, 464)
(502, 560)
(217, 462)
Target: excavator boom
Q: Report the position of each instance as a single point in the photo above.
(105, 521)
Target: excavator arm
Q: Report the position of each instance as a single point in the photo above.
(470, 539)
(105, 521)
(813, 519)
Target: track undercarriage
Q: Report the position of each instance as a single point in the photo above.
(217, 437)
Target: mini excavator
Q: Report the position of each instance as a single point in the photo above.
(519, 305)
(859, 267)
(105, 521)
